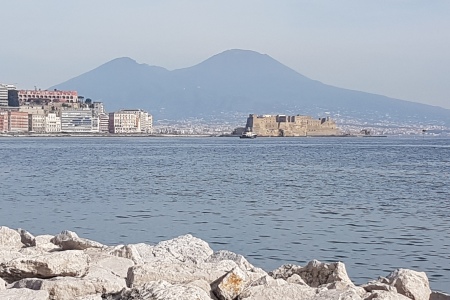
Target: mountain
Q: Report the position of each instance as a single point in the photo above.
(237, 82)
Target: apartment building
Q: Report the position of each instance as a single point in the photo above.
(124, 122)
(3, 121)
(36, 118)
(8, 95)
(130, 121)
(52, 123)
(77, 120)
(17, 121)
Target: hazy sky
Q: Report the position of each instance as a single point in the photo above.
(397, 48)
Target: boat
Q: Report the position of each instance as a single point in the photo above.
(248, 135)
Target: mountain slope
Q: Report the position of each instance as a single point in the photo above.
(236, 81)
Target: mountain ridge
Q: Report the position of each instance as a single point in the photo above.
(236, 82)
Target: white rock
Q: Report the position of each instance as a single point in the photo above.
(412, 284)
(10, 238)
(385, 295)
(177, 272)
(231, 285)
(68, 263)
(90, 297)
(285, 292)
(7, 255)
(295, 278)
(2, 284)
(59, 288)
(315, 273)
(346, 294)
(378, 286)
(27, 238)
(228, 255)
(162, 290)
(185, 248)
(69, 240)
(126, 251)
(44, 243)
(23, 294)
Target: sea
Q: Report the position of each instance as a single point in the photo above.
(375, 204)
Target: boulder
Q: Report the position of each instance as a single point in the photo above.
(26, 238)
(69, 240)
(228, 255)
(412, 284)
(10, 238)
(333, 294)
(315, 273)
(286, 292)
(90, 297)
(43, 242)
(185, 248)
(97, 281)
(177, 272)
(2, 284)
(59, 288)
(230, 285)
(295, 278)
(7, 255)
(116, 265)
(73, 263)
(378, 286)
(161, 290)
(385, 295)
(23, 294)
(126, 251)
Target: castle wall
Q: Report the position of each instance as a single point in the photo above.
(282, 125)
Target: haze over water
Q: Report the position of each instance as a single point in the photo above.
(376, 204)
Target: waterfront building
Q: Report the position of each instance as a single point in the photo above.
(3, 121)
(104, 123)
(8, 95)
(77, 120)
(130, 121)
(282, 125)
(17, 121)
(44, 96)
(52, 123)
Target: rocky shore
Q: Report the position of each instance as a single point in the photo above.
(66, 266)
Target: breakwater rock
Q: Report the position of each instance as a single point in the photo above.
(67, 266)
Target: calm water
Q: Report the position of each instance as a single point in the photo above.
(374, 203)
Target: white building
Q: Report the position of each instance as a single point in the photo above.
(77, 120)
(144, 119)
(104, 123)
(52, 123)
(124, 122)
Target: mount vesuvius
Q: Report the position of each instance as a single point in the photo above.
(237, 82)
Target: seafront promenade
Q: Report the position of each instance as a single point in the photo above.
(66, 266)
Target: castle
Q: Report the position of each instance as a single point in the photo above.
(282, 125)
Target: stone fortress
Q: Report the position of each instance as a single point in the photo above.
(282, 125)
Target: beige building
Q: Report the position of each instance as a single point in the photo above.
(130, 121)
(282, 125)
(36, 118)
(52, 123)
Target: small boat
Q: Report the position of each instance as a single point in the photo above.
(248, 135)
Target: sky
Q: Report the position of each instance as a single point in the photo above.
(396, 48)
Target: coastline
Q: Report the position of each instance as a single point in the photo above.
(66, 266)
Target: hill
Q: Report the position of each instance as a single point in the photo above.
(237, 82)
